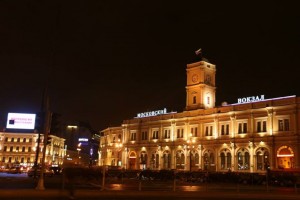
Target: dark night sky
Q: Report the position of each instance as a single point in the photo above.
(109, 60)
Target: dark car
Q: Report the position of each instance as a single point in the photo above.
(15, 170)
(47, 172)
(56, 170)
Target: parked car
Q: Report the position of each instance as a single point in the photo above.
(14, 170)
(56, 170)
(47, 172)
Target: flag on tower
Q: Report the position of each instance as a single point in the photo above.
(198, 52)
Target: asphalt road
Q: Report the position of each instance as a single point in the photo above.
(19, 186)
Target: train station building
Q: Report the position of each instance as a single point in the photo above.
(251, 135)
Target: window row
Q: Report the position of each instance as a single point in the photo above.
(18, 139)
(16, 159)
(242, 128)
(17, 149)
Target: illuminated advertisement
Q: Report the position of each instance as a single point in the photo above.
(83, 141)
(20, 121)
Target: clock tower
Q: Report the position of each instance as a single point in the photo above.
(200, 88)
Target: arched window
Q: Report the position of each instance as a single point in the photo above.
(262, 159)
(166, 160)
(194, 99)
(228, 160)
(225, 160)
(243, 160)
(155, 160)
(180, 160)
(208, 160)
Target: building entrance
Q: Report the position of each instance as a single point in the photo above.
(285, 157)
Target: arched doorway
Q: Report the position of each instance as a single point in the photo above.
(262, 159)
(243, 159)
(209, 161)
(143, 160)
(285, 157)
(166, 160)
(155, 160)
(180, 160)
(132, 160)
(225, 160)
(194, 160)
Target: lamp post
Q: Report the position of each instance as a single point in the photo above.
(189, 146)
(119, 146)
(78, 149)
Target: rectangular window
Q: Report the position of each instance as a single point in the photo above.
(283, 125)
(211, 131)
(29, 149)
(3, 159)
(180, 133)
(258, 127)
(5, 148)
(286, 125)
(23, 149)
(11, 149)
(155, 135)
(280, 125)
(227, 129)
(223, 130)
(264, 126)
(194, 131)
(167, 134)
(242, 128)
(194, 100)
(144, 135)
(245, 128)
(208, 130)
(133, 136)
(261, 126)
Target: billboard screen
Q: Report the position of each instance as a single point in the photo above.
(20, 121)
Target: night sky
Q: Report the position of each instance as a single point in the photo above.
(106, 61)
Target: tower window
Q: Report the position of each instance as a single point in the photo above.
(194, 100)
(208, 100)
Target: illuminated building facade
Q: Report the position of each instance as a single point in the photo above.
(249, 136)
(20, 149)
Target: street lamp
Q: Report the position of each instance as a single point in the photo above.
(190, 146)
(119, 146)
(78, 149)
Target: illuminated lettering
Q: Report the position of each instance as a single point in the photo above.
(251, 99)
(152, 113)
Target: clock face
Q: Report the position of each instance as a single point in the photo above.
(195, 78)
